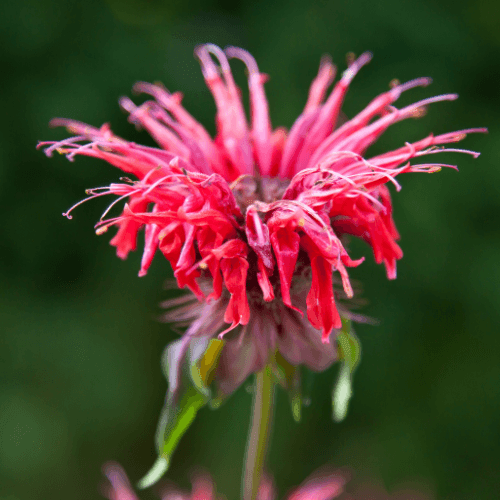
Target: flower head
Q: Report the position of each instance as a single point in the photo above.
(252, 221)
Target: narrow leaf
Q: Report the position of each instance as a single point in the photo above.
(155, 473)
(342, 393)
(189, 367)
(203, 370)
(349, 346)
(178, 420)
(349, 350)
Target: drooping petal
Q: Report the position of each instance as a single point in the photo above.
(234, 267)
(258, 237)
(208, 240)
(263, 275)
(176, 244)
(186, 261)
(150, 245)
(125, 239)
(321, 309)
(285, 244)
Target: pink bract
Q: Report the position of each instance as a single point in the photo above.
(255, 209)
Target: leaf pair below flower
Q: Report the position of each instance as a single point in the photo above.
(189, 369)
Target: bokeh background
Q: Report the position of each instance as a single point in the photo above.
(80, 344)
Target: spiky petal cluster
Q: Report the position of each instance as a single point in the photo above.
(252, 206)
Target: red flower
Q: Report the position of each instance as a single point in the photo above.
(260, 213)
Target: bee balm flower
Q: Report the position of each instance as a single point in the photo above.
(257, 213)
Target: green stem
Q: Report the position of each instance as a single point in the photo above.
(258, 438)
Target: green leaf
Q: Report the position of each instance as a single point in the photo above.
(296, 402)
(203, 369)
(348, 346)
(189, 365)
(349, 350)
(342, 393)
(155, 473)
(177, 420)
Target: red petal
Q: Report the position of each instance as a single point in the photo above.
(235, 274)
(182, 269)
(258, 237)
(286, 249)
(321, 309)
(208, 240)
(234, 268)
(150, 245)
(278, 141)
(264, 283)
(171, 238)
(125, 239)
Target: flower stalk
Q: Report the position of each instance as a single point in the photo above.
(260, 430)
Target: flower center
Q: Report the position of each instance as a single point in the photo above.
(248, 189)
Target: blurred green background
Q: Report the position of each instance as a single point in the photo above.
(80, 345)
